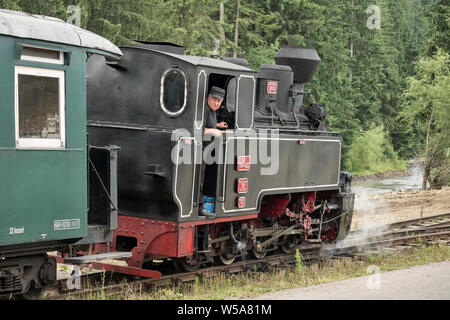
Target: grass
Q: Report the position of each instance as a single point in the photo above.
(380, 167)
(254, 283)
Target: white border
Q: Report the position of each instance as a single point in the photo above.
(40, 59)
(196, 122)
(252, 106)
(275, 189)
(161, 95)
(180, 204)
(26, 143)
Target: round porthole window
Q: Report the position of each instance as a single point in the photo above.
(173, 92)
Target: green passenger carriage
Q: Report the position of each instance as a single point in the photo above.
(43, 144)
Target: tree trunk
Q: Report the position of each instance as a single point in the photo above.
(351, 40)
(181, 11)
(222, 23)
(236, 31)
(428, 161)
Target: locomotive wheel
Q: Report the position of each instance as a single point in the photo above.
(188, 264)
(226, 257)
(189, 267)
(258, 255)
(226, 260)
(32, 294)
(289, 245)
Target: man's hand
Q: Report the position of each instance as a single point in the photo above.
(213, 132)
(222, 125)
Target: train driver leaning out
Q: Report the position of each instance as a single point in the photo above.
(215, 98)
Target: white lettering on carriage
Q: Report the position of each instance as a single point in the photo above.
(14, 230)
(67, 224)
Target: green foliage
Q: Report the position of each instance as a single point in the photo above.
(10, 5)
(363, 71)
(428, 94)
(438, 16)
(373, 152)
(262, 55)
(298, 261)
(427, 110)
(52, 8)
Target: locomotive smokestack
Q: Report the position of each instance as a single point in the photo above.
(304, 61)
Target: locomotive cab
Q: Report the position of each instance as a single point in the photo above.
(160, 129)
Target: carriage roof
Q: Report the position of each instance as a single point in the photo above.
(31, 26)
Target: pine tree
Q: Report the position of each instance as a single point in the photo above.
(438, 16)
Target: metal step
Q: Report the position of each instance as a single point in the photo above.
(98, 257)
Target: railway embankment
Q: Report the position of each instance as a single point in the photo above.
(389, 207)
(382, 175)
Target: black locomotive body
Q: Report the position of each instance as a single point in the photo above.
(275, 181)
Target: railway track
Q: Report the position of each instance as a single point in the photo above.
(398, 230)
(441, 219)
(434, 229)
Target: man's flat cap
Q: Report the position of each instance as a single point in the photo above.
(217, 92)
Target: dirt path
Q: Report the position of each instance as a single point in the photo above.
(424, 282)
(384, 208)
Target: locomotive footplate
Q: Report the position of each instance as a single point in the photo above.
(98, 257)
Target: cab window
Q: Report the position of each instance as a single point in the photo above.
(173, 92)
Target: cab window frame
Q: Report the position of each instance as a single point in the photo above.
(180, 111)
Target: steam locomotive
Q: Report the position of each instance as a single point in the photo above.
(131, 190)
(275, 182)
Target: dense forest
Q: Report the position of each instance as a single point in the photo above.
(385, 72)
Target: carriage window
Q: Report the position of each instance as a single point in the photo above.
(42, 55)
(39, 108)
(173, 92)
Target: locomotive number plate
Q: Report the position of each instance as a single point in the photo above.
(272, 87)
(242, 186)
(243, 163)
(241, 202)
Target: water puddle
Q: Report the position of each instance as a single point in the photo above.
(410, 182)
